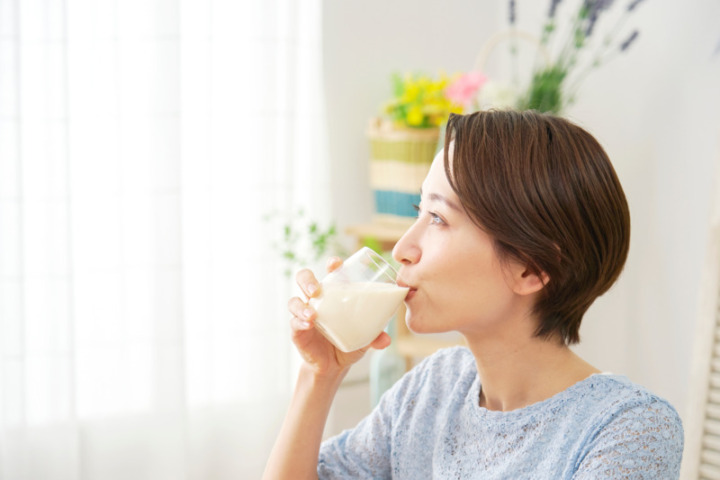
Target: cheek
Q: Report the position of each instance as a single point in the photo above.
(452, 289)
(474, 287)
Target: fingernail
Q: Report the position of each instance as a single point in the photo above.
(304, 324)
(307, 313)
(312, 288)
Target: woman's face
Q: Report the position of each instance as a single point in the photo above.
(456, 280)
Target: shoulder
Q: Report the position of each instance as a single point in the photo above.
(407, 413)
(630, 424)
(619, 395)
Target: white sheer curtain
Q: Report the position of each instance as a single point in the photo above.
(142, 311)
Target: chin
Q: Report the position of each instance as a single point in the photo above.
(417, 325)
(411, 322)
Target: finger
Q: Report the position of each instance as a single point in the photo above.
(333, 263)
(381, 341)
(307, 282)
(301, 310)
(299, 324)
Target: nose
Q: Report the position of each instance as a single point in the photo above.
(407, 250)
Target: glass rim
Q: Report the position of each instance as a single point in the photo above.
(380, 262)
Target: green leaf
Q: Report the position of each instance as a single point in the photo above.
(545, 93)
(583, 13)
(397, 83)
(579, 38)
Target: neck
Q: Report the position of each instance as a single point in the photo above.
(518, 371)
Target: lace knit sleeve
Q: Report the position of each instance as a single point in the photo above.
(365, 451)
(642, 442)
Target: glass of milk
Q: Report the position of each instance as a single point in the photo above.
(357, 300)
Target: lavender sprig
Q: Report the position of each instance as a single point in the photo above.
(593, 9)
(511, 12)
(633, 4)
(553, 8)
(628, 41)
(553, 85)
(591, 22)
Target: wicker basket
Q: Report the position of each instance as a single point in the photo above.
(399, 161)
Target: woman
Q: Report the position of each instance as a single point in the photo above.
(522, 224)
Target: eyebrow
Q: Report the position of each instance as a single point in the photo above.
(436, 197)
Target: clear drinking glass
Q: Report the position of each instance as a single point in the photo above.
(357, 300)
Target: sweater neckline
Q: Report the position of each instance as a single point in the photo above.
(549, 404)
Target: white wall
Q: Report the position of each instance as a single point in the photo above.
(364, 43)
(654, 109)
(656, 112)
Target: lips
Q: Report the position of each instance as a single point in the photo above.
(411, 290)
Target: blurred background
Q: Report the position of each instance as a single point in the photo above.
(157, 156)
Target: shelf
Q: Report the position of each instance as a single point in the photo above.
(385, 232)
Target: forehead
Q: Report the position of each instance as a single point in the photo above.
(436, 181)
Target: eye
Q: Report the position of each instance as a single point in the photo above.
(435, 219)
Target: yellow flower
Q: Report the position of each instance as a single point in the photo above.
(421, 101)
(423, 82)
(415, 116)
(412, 91)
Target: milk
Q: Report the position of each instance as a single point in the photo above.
(351, 315)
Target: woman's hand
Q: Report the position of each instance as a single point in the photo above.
(317, 352)
(295, 454)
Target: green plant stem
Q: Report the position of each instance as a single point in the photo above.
(545, 90)
(571, 49)
(514, 58)
(605, 52)
(619, 24)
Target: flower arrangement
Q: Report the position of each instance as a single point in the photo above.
(572, 50)
(423, 102)
(554, 84)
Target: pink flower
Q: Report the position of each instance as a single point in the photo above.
(464, 89)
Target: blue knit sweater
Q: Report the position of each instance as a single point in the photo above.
(429, 425)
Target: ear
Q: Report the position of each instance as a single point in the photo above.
(525, 282)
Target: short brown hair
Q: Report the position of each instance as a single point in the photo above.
(546, 192)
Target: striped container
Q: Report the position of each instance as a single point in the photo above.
(399, 161)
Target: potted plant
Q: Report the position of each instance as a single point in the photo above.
(304, 241)
(404, 142)
(554, 82)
